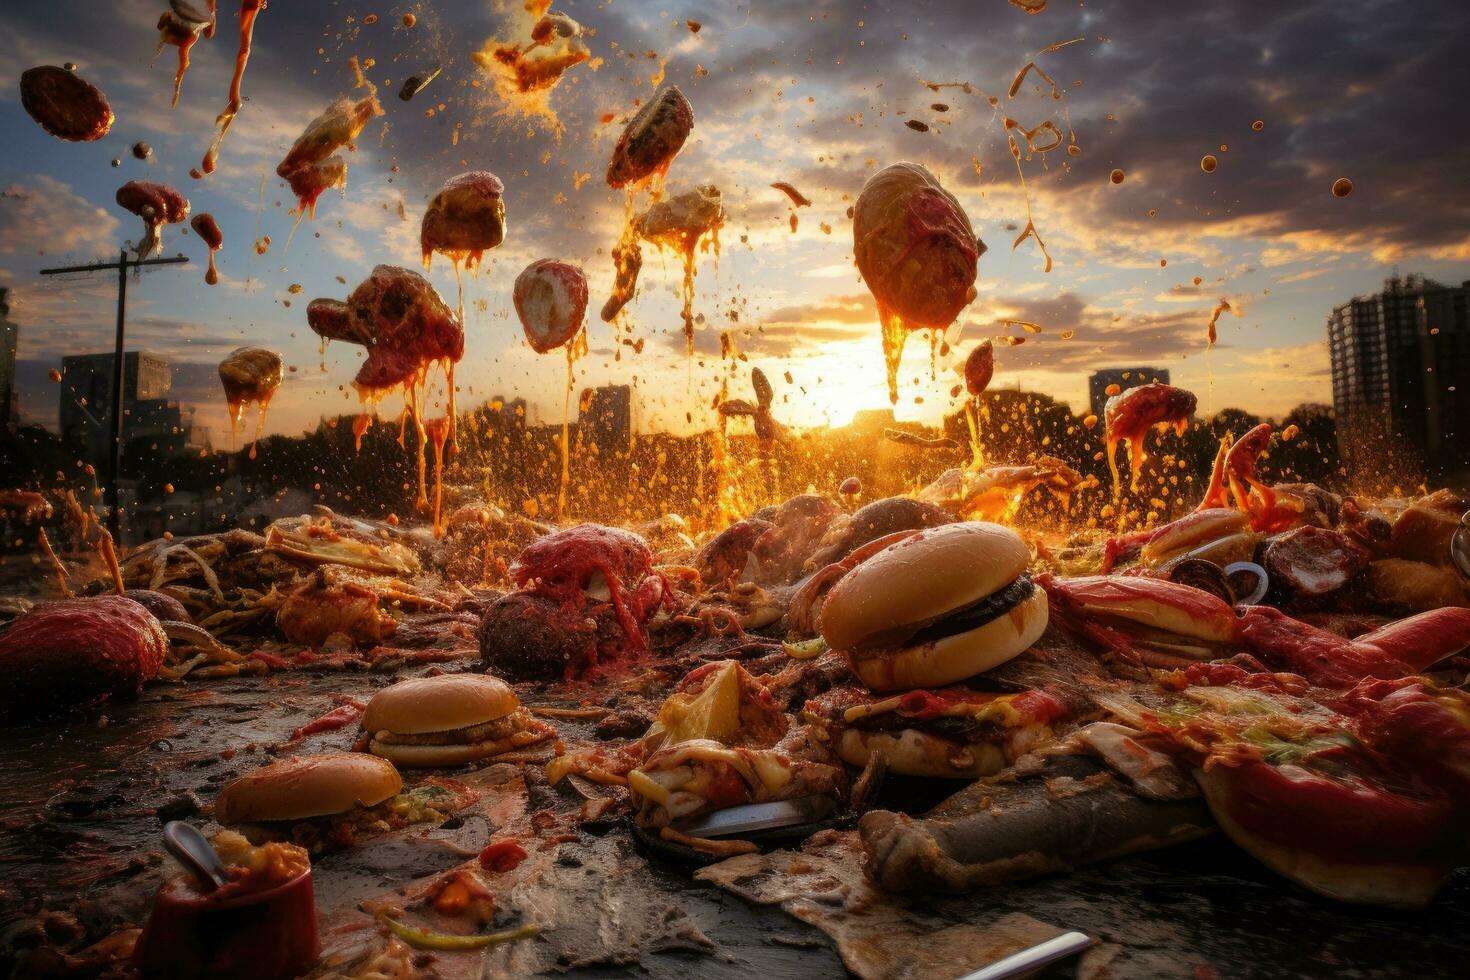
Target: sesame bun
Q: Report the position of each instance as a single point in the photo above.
(909, 752)
(306, 786)
(874, 612)
(439, 704)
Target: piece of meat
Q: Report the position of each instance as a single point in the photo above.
(726, 557)
(551, 299)
(157, 204)
(65, 105)
(652, 138)
(312, 165)
(76, 652)
(980, 368)
(916, 251)
(402, 321)
(1069, 814)
(876, 520)
(315, 611)
(466, 218)
(525, 636)
(627, 263)
(1312, 561)
(682, 220)
(249, 374)
(208, 231)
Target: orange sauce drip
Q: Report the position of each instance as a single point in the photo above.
(249, 10)
(183, 68)
(438, 430)
(212, 276)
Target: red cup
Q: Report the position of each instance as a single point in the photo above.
(254, 935)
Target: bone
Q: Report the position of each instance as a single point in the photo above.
(1070, 813)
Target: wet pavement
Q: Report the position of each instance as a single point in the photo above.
(82, 801)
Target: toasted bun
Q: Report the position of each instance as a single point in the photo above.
(308, 786)
(439, 756)
(921, 578)
(910, 752)
(1388, 884)
(439, 704)
(957, 657)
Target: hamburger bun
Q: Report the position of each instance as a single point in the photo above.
(876, 611)
(439, 704)
(440, 756)
(306, 786)
(909, 752)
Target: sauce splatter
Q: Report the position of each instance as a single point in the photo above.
(1116, 176)
(208, 231)
(249, 11)
(1208, 164)
(1342, 187)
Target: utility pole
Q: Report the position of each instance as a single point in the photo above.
(122, 265)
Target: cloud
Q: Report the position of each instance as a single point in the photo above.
(40, 215)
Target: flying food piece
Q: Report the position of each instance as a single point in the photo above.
(208, 231)
(157, 205)
(526, 68)
(142, 151)
(449, 720)
(917, 252)
(249, 374)
(399, 317)
(416, 83)
(249, 11)
(937, 607)
(627, 262)
(465, 219)
(1131, 413)
(312, 164)
(653, 137)
(551, 300)
(684, 223)
(798, 199)
(64, 105)
(980, 368)
(182, 25)
(767, 429)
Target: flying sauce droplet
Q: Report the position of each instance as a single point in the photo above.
(1258, 125)
(1342, 187)
(1116, 176)
(1208, 164)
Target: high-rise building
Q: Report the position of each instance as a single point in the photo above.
(1130, 377)
(86, 405)
(1401, 378)
(9, 337)
(605, 419)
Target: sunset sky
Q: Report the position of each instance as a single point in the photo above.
(815, 93)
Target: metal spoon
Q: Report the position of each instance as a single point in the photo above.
(1030, 960)
(190, 848)
(1460, 545)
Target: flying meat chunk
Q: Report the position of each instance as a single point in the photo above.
(551, 300)
(312, 165)
(916, 251)
(157, 205)
(401, 320)
(465, 219)
(64, 105)
(653, 137)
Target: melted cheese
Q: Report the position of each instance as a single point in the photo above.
(1001, 710)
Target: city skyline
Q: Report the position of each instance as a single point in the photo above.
(815, 95)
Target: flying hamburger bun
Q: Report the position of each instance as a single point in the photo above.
(306, 786)
(910, 752)
(889, 613)
(439, 704)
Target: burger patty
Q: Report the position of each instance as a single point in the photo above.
(489, 731)
(976, 614)
(957, 727)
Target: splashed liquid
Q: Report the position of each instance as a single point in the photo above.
(249, 11)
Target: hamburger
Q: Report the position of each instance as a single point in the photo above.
(936, 608)
(950, 733)
(316, 801)
(448, 721)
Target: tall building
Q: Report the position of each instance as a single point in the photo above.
(1128, 377)
(86, 406)
(1401, 378)
(9, 337)
(605, 419)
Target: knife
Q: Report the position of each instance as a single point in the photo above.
(737, 821)
(1034, 958)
